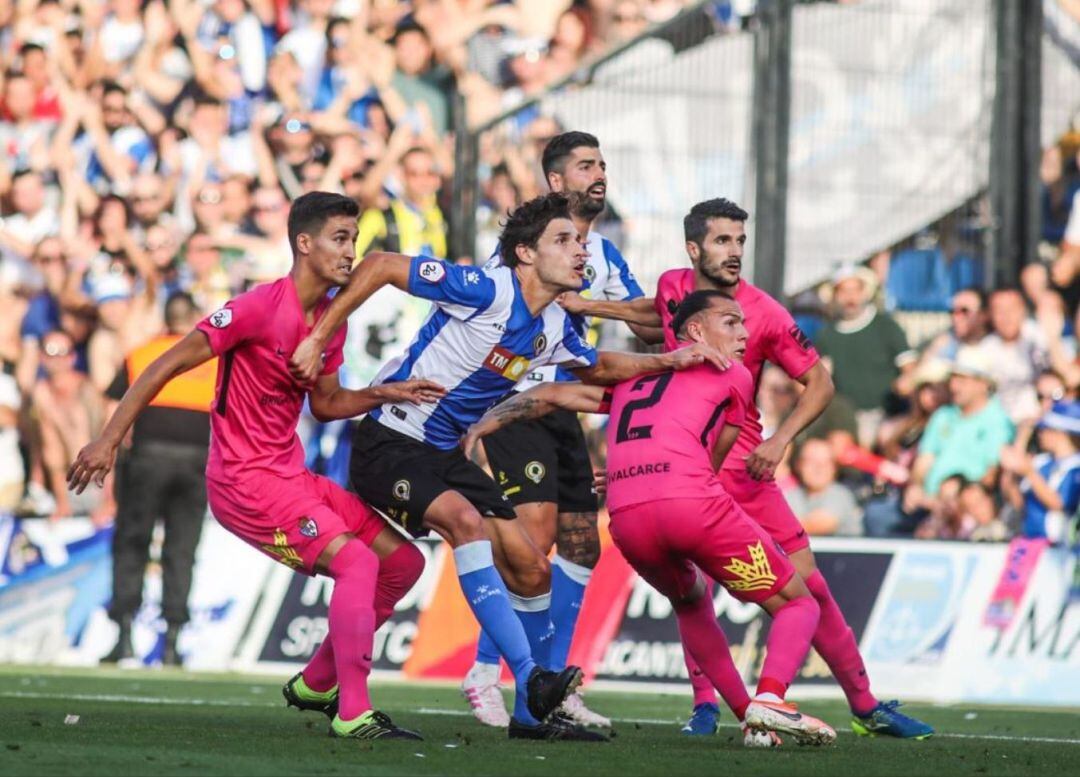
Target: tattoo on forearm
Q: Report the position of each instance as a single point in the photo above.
(578, 539)
(516, 409)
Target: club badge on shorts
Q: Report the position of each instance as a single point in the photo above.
(535, 471)
(401, 490)
(308, 527)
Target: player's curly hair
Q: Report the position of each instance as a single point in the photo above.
(696, 222)
(694, 303)
(527, 223)
(309, 212)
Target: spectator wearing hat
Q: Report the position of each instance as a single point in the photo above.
(866, 348)
(1046, 487)
(962, 438)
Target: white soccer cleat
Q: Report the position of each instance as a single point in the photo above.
(785, 718)
(760, 739)
(481, 689)
(574, 708)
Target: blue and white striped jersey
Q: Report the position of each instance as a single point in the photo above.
(478, 341)
(607, 276)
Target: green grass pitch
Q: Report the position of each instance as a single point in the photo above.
(166, 723)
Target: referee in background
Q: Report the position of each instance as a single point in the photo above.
(164, 476)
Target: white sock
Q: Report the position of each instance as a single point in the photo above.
(769, 697)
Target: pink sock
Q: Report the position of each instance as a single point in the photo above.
(835, 642)
(319, 674)
(792, 629)
(704, 642)
(398, 572)
(704, 693)
(352, 624)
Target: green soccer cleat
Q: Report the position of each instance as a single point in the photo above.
(371, 725)
(298, 695)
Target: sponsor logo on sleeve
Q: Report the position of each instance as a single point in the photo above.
(432, 271)
(472, 277)
(221, 319)
(800, 337)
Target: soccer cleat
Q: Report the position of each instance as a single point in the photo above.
(548, 690)
(785, 718)
(884, 719)
(303, 698)
(371, 725)
(481, 689)
(574, 709)
(760, 739)
(557, 728)
(703, 720)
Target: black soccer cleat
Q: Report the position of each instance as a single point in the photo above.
(371, 725)
(557, 729)
(547, 690)
(328, 707)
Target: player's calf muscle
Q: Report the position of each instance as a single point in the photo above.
(578, 539)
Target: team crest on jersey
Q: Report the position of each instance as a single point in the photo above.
(755, 576)
(508, 364)
(221, 318)
(535, 471)
(402, 489)
(432, 271)
(308, 527)
(800, 337)
(540, 343)
(590, 273)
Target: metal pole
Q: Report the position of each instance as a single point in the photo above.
(1031, 130)
(1006, 195)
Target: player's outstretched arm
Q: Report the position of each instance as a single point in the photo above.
(614, 367)
(329, 401)
(762, 462)
(635, 311)
(96, 459)
(534, 403)
(378, 269)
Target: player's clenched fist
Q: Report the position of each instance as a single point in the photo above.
(93, 463)
(307, 361)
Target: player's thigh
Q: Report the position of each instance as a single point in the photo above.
(639, 535)
(575, 473)
(361, 520)
(732, 549)
(524, 462)
(764, 502)
(540, 521)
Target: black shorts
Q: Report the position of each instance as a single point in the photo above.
(401, 477)
(544, 460)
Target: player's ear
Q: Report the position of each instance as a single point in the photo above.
(303, 243)
(693, 250)
(555, 181)
(525, 255)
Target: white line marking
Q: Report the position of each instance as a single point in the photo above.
(133, 699)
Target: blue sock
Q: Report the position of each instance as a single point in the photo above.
(535, 616)
(487, 652)
(568, 581)
(487, 596)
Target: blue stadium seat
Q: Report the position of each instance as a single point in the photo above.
(965, 271)
(918, 280)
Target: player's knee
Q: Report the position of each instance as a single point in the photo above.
(466, 525)
(403, 567)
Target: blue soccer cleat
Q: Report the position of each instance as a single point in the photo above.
(703, 720)
(885, 720)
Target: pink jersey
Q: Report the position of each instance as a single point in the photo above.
(256, 401)
(662, 430)
(774, 337)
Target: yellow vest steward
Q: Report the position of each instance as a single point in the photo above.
(194, 390)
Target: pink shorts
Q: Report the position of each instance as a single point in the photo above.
(764, 502)
(665, 540)
(291, 519)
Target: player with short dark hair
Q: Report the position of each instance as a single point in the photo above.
(486, 330)
(715, 233)
(543, 465)
(668, 435)
(257, 484)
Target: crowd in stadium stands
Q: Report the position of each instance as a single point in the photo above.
(153, 147)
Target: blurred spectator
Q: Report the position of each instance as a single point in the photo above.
(963, 438)
(969, 324)
(866, 347)
(163, 477)
(899, 436)
(32, 221)
(1046, 487)
(1016, 353)
(418, 79)
(964, 510)
(822, 505)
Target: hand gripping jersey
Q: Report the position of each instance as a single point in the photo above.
(662, 430)
(774, 337)
(479, 340)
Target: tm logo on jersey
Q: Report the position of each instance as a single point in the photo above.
(508, 364)
(755, 576)
(432, 271)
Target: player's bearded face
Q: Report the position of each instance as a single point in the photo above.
(584, 181)
(561, 256)
(720, 254)
(333, 250)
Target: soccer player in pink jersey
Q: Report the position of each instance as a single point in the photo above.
(670, 513)
(257, 485)
(715, 236)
